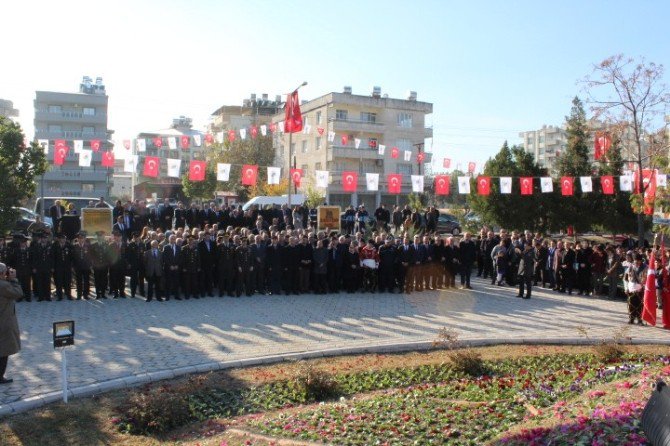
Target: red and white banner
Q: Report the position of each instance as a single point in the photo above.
(59, 155)
(185, 142)
(108, 159)
(395, 152)
(249, 174)
(446, 163)
(471, 167)
(349, 181)
(607, 184)
(151, 166)
(293, 117)
(567, 186)
(442, 184)
(483, 185)
(296, 176)
(158, 142)
(196, 170)
(95, 145)
(602, 143)
(394, 182)
(526, 184)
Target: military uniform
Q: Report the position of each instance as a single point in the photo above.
(82, 268)
(190, 268)
(18, 257)
(100, 264)
(63, 256)
(244, 267)
(41, 259)
(117, 268)
(225, 259)
(135, 266)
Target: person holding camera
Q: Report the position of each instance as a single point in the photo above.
(10, 342)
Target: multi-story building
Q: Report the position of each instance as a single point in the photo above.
(122, 182)
(70, 117)
(373, 120)
(7, 109)
(164, 186)
(253, 111)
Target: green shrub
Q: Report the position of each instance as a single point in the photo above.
(156, 411)
(315, 384)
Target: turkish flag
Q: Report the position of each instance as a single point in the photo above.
(345, 140)
(151, 164)
(526, 185)
(209, 139)
(108, 159)
(320, 130)
(185, 141)
(607, 184)
(231, 135)
(349, 181)
(442, 184)
(59, 155)
(95, 145)
(471, 167)
(484, 185)
(196, 170)
(293, 117)
(394, 181)
(158, 142)
(126, 144)
(249, 174)
(296, 176)
(446, 163)
(60, 144)
(649, 302)
(273, 127)
(395, 152)
(254, 131)
(602, 143)
(648, 188)
(420, 157)
(372, 143)
(567, 186)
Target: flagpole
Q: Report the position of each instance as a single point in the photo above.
(290, 144)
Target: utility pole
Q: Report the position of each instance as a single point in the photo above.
(419, 148)
(290, 143)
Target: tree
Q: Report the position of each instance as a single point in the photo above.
(201, 189)
(314, 197)
(631, 94)
(257, 151)
(19, 165)
(272, 190)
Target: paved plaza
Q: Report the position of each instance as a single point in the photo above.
(127, 341)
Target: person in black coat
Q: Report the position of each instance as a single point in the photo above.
(180, 216)
(274, 254)
(450, 262)
(191, 216)
(291, 262)
(120, 227)
(207, 249)
(387, 261)
(56, 212)
(41, 259)
(305, 266)
(417, 272)
(135, 264)
(99, 260)
(117, 266)
(191, 263)
(467, 255)
(244, 268)
(407, 260)
(62, 261)
(166, 215)
(225, 257)
(81, 250)
(171, 263)
(351, 269)
(18, 258)
(567, 268)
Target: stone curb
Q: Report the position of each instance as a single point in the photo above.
(37, 401)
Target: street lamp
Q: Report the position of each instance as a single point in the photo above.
(290, 143)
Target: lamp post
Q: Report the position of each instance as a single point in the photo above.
(290, 143)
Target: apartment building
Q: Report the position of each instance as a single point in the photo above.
(253, 111)
(70, 117)
(7, 109)
(374, 120)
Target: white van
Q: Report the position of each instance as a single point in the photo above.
(262, 201)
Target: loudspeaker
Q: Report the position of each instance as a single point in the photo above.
(656, 416)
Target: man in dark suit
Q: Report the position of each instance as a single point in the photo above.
(291, 261)
(207, 251)
(244, 265)
(41, 259)
(62, 261)
(171, 263)
(387, 260)
(135, 264)
(153, 267)
(166, 215)
(120, 227)
(274, 265)
(467, 254)
(407, 260)
(100, 262)
(225, 254)
(56, 212)
(191, 216)
(180, 216)
(191, 269)
(117, 266)
(82, 266)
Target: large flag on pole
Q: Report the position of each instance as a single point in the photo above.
(293, 117)
(649, 307)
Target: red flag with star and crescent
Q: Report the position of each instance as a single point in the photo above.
(484, 185)
(394, 182)
(602, 143)
(209, 139)
(526, 185)
(59, 154)
(151, 164)
(471, 167)
(296, 176)
(196, 170)
(442, 184)
(395, 152)
(349, 181)
(607, 184)
(446, 163)
(567, 186)
(185, 141)
(249, 174)
(293, 117)
(158, 142)
(231, 135)
(254, 131)
(108, 159)
(345, 140)
(95, 145)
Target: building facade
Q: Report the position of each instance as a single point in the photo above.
(7, 109)
(253, 111)
(374, 120)
(164, 186)
(70, 117)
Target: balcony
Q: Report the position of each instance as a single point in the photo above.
(69, 134)
(355, 125)
(366, 153)
(70, 116)
(76, 175)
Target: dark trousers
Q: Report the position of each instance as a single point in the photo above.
(334, 278)
(100, 280)
(134, 274)
(385, 278)
(83, 282)
(275, 280)
(488, 266)
(63, 282)
(43, 285)
(259, 277)
(320, 283)
(3, 365)
(526, 282)
(190, 284)
(226, 282)
(403, 280)
(635, 306)
(303, 273)
(466, 270)
(154, 282)
(172, 283)
(244, 282)
(206, 280)
(290, 278)
(24, 280)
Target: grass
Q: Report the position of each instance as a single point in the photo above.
(95, 420)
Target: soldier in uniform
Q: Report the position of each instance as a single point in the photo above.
(207, 251)
(244, 266)
(41, 260)
(259, 252)
(225, 256)
(135, 263)
(274, 265)
(291, 260)
(82, 265)
(62, 261)
(100, 262)
(171, 263)
(117, 266)
(18, 257)
(191, 268)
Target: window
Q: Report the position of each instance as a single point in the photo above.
(541, 139)
(404, 144)
(305, 121)
(87, 187)
(405, 120)
(341, 115)
(405, 169)
(88, 130)
(55, 109)
(318, 142)
(55, 128)
(304, 169)
(88, 111)
(317, 166)
(318, 118)
(371, 117)
(303, 147)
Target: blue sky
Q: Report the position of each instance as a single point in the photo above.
(491, 68)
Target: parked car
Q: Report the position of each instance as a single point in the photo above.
(26, 218)
(448, 224)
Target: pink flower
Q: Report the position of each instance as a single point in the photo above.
(624, 385)
(596, 393)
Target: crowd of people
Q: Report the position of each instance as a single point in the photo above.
(197, 251)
